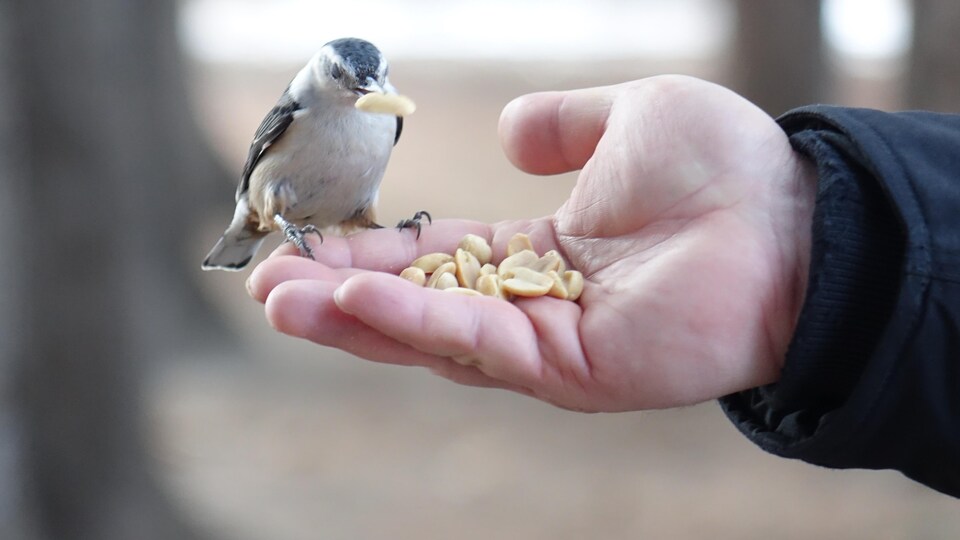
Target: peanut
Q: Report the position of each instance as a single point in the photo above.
(478, 246)
(375, 102)
(446, 281)
(464, 290)
(517, 243)
(573, 281)
(490, 285)
(430, 262)
(443, 269)
(527, 282)
(523, 258)
(468, 268)
(558, 290)
(414, 275)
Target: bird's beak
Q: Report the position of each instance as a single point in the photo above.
(371, 85)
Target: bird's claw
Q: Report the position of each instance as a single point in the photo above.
(298, 235)
(414, 222)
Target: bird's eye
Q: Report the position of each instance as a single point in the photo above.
(336, 72)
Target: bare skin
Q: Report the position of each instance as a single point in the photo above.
(690, 220)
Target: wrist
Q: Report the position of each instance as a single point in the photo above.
(804, 195)
(792, 221)
(853, 247)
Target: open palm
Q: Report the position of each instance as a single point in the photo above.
(690, 221)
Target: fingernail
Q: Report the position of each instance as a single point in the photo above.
(338, 297)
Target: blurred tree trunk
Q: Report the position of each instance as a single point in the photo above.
(15, 518)
(934, 78)
(102, 171)
(778, 53)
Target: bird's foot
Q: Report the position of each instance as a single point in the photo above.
(298, 235)
(414, 222)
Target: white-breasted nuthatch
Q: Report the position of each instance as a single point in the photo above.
(315, 161)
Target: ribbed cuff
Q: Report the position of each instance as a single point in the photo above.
(856, 246)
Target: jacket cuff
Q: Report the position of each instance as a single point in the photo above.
(856, 245)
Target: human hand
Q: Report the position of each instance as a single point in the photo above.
(690, 221)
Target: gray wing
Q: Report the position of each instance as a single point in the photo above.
(272, 127)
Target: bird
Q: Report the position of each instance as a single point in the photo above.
(316, 161)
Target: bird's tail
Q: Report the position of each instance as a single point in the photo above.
(238, 244)
(234, 250)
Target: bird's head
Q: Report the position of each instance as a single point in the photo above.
(351, 67)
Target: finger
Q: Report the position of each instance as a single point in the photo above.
(489, 333)
(554, 132)
(306, 309)
(276, 270)
(471, 376)
(389, 250)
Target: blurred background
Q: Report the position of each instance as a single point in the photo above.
(142, 398)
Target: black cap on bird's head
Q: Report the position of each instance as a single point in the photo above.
(355, 65)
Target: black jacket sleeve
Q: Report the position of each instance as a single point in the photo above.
(872, 376)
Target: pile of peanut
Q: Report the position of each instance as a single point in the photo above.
(522, 273)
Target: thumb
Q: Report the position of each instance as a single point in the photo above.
(554, 132)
